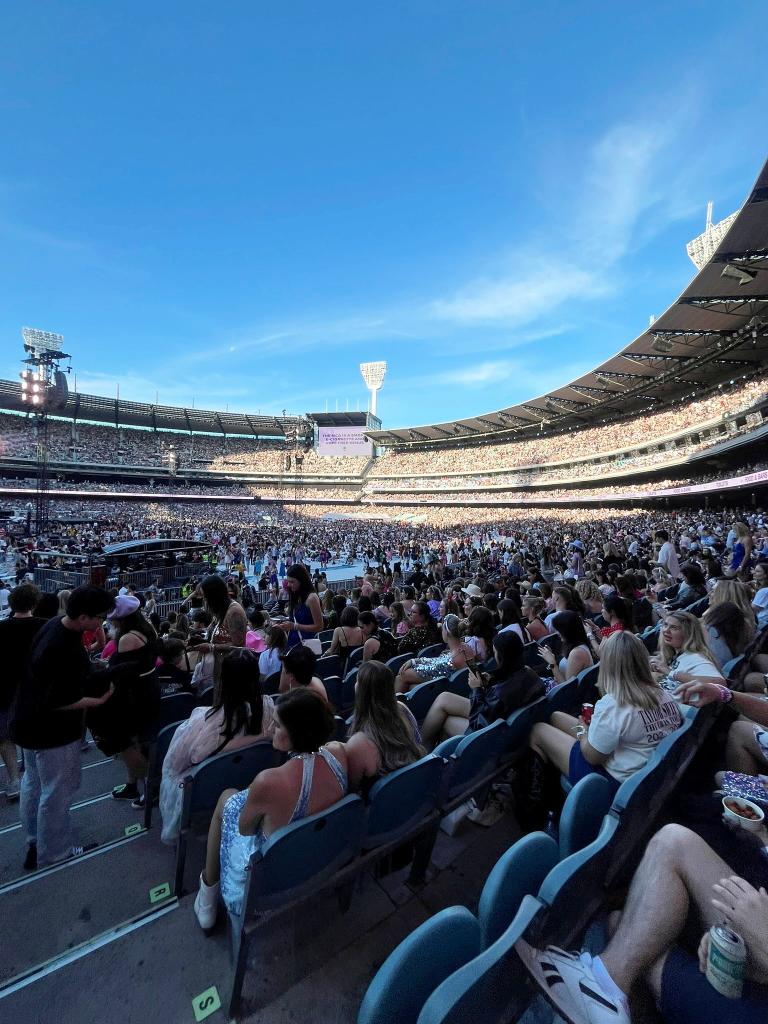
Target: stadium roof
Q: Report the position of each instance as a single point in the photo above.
(119, 412)
(716, 330)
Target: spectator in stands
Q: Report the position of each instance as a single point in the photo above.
(628, 721)
(47, 723)
(383, 735)
(239, 715)
(229, 623)
(590, 594)
(727, 632)
(680, 878)
(576, 653)
(298, 670)
(304, 611)
(425, 668)
(338, 604)
(348, 635)
(312, 779)
(565, 599)
(130, 719)
(423, 629)
(510, 620)
(617, 615)
(271, 659)
(692, 588)
(16, 636)
(255, 638)
(667, 556)
(496, 694)
(479, 632)
(378, 644)
(173, 675)
(760, 600)
(533, 607)
(741, 554)
(399, 623)
(683, 653)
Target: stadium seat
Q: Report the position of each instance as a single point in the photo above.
(398, 661)
(476, 755)
(518, 872)
(402, 799)
(325, 636)
(564, 697)
(205, 699)
(328, 665)
(176, 708)
(295, 862)
(698, 607)
(521, 722)
(158, 750)
(432, 651)
(421, 697)
(585, 807)
(731, 668)
(334, 688)
(490, 988)
(427, 956)
(354, 658)
(459, 682)
(234, 769)
(650, 638)
(271, 685)
(532, 657)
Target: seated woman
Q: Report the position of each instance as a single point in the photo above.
(532, 610)
(511, 621)
(348, 635)
(313, 779)
(383, 735)
(693, 587)
(258, 623)
(422, 670)
(270, 660)
(632, 717)
(564, 599)
(592, 597)
(617, 614)
(239, 715)
(727, 632)
(683, 653)
(298, 670)
(510, 686)
(378, 644)
(423, 629)
(576, 654)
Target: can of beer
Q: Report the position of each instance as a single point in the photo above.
(587, 710)
(725, 963)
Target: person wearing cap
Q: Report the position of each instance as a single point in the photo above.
(47, 724)
(122, 727)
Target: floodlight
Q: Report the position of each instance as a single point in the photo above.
(662, 344)
(740, 274)
(373, 375)
(38, 342)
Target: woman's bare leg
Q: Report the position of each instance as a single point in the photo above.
(212, 871)
(552, 745)
(444, 706)
(742, 753)
(406, 678)
(135, 763)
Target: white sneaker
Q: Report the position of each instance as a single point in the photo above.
(207, 905)
(568, 982)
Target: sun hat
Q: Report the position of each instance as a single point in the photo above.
(125, 604)
(472, 590)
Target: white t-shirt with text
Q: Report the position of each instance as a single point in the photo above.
(630, 734)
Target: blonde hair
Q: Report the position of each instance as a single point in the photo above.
(625, 672)
(742, 530)
(694, 639)
(588, 591)
(735, 592)
(63, 597)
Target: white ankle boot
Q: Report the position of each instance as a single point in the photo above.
(207, 904)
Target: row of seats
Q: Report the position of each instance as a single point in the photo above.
(457, 966)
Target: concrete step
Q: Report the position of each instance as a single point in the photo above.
(71, 903)
(97, 779)
(97, 819)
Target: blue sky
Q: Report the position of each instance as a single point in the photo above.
(237, 203)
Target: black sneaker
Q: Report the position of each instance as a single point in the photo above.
(138, 802)
(128, 791)
(30, 861)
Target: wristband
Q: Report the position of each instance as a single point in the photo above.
(726, 695)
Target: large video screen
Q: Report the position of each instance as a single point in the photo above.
(343, 441)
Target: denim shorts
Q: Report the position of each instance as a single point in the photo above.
(579, 767)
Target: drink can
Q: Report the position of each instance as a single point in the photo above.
(725, 963)
(587, 710)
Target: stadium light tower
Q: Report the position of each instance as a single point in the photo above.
(373, 375)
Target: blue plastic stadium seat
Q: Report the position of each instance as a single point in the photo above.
(398, 661)
(430, 954)
(431, 651)
(585, 807)
(564, 697)
(402, 799)
(516, 874)
(232, 769)
(490, 988)
(731, 668)
(157, 753)
(521, 722)
(176, 708)
(354, 658)
(420, 698)
(271, 685)
(459, 682)
(328, 665)
(476, 755)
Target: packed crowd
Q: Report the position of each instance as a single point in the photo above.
(620, 436)
(473, 601)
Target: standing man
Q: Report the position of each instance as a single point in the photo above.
(667, 556)
(48, 724)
